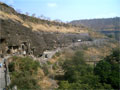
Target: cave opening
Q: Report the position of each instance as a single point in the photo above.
(2, 40)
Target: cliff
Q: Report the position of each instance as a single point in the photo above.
(37, 34)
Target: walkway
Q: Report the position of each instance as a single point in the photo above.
(2, 76)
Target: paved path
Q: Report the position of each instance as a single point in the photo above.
(3, 81)
(2, 76)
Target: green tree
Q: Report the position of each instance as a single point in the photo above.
(108, 69)
(79, 75)
(23, 72)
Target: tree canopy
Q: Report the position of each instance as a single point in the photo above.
(79, 75)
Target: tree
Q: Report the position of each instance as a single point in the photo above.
(79, 75)
(19, 11)
(23, 72)
(33, 15)
(58, 20)
(108, 69)
(27, 13)
(64, 85)
(103, 69)
(42, 17)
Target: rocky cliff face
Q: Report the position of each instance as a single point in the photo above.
(37, 35)
(15, 33)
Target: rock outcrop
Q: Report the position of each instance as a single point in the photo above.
(17, 29)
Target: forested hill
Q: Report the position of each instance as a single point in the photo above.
(100, 24)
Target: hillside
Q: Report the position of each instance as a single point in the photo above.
(37, 24)
(37, 53)
(103, 24)
(36, 34)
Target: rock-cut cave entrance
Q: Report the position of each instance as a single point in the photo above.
(2, 40)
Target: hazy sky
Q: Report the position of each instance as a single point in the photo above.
(68, 10)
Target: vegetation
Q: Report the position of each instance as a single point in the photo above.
(79, 75)
(27, 74)
(57, 54)
(108, 69)
(100, 24)
(114, 35)
(23, 73)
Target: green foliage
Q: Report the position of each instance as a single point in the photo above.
(57, 54)
(55, 66)
(84, 47)
(45, 69)
(117, 36)
(79, 75)
(22, 71)
(108, 69)
(101, 69)
(49, 63)
(64, 85)
(114, 57)
(110, 35)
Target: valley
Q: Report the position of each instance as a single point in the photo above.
(48, 54)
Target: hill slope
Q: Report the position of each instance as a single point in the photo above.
(100, 24)
(37, 35)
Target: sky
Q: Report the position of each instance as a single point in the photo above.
(68, 10)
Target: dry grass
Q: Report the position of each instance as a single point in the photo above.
(45, 83)
(99, 52)
(96, 35)
(42, 27)
(43, 80)
(4, 15)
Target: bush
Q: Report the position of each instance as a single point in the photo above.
(57, 54)
(49, 63)
(108, 69)
(76, 73)
(22, 72)
(45, 69)
(79, 75)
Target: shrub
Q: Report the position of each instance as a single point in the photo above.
(79, 75)
(57, 54)
(108, 69)
(22, 72)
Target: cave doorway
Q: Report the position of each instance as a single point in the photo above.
(2, 40)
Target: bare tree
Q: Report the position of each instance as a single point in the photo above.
(48, 18)
(58, 20)
(18, 11)
(33, 15)
(11, 6)
(45, 18)
(27, 13)
(42, 17)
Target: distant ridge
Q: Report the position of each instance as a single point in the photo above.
(103, 24)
